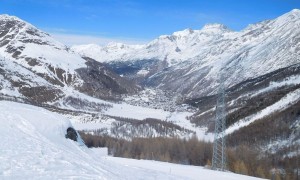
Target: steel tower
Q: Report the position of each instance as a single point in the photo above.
(219, 147)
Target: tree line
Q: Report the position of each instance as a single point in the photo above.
(242, 159)
(175, 150)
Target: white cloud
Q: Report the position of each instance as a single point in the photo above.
(75, 39)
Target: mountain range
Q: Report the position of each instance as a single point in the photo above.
(189, 61)
(260, 66)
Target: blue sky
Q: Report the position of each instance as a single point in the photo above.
(138, 21)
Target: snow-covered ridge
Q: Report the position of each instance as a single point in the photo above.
(171, 48)
(36, 44)
(184, 45)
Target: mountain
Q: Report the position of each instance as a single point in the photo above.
(188, 61)
(260, 66)
(35, 66)
(171, 48)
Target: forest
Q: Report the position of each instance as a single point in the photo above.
(242, 159)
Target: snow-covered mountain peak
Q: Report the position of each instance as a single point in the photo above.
(23, 31)
(9, 17)
(120, 46)
(295, 11)
(21, 40)
(215, 28)
(185, 32)
(161, 37)
(91, 46)
(8, 21)
(116, 45)
(292, 16)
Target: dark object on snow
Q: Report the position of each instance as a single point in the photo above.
(71, 134)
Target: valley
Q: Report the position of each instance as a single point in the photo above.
(167, 88)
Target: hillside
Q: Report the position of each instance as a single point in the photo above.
(34, 147)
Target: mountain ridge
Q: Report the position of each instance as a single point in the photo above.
(52, 66)
(178, 34)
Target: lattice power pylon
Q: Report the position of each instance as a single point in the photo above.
(219, 149)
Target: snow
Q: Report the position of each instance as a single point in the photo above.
(142, 72)
(108, 53)
(95, 125)
(140, 113)
(136, 112)
(16, 73)
(33, 146)
(56, 57)
(215, 28)
(181, 120)
(7, 88)
(183, 33)
(180, 171)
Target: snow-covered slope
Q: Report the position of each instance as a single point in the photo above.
(24, 44)
(33, 146)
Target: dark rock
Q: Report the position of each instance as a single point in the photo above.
(71, 134)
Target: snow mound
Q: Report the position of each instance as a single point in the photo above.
(34, 146)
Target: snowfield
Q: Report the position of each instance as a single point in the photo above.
(126, 110)
(33, 146)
